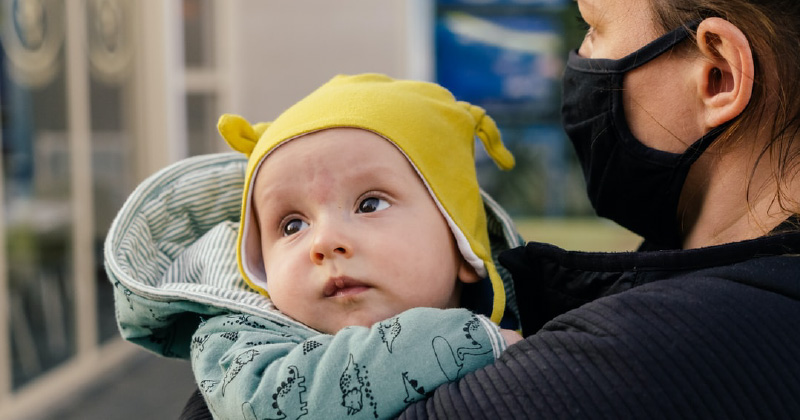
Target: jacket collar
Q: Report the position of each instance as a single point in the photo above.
(551, 281)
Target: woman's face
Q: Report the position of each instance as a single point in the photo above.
(660, 99)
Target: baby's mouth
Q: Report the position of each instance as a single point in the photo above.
(343, 286)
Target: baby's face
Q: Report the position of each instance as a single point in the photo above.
(349, 233)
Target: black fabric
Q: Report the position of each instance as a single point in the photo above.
(708, 333)
(550, 281)
(195, 408)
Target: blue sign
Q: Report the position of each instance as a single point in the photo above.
(503, 63)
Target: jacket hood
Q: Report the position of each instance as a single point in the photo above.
(171, 255)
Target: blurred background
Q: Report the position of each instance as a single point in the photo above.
(95, 95)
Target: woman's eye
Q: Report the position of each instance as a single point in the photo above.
(293, 226)
(372, 204)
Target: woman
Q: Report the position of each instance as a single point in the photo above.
(684, 115)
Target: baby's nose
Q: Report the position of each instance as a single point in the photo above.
(329, 241)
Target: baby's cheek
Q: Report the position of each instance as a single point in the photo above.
(276, 284)
(286, 301)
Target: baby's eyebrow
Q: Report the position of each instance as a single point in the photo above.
(270, 190)
(275, 199)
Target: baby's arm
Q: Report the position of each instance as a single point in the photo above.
(255, 368)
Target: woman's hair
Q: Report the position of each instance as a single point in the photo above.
(771, 27)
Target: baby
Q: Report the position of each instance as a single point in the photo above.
(362, 219)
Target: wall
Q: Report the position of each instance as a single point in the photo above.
(285, 49)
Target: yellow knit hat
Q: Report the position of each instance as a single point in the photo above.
(434, 131)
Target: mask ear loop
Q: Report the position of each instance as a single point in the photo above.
(486, 129)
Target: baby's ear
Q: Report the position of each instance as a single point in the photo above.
(240, 135)
(467, 273)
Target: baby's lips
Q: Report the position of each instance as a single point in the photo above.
(335, 284)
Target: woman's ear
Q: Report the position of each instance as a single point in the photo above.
(726, 75)
(466, 273)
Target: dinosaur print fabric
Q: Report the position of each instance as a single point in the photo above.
(254, 368)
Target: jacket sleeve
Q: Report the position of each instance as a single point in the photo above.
(254, 368)
(694, 347)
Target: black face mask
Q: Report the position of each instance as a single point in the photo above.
(627, 182)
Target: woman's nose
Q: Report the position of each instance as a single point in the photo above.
(329, 241)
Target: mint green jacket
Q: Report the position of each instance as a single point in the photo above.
(170, 255)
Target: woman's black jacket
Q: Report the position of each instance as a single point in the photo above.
(705, 333)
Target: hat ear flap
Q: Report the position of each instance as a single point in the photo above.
(487, 131)
(240, 135)
(260, 128)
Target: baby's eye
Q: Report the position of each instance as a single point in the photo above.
(372, 204)
(293, 226)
